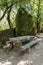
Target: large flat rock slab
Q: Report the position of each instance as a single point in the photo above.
(28, 45)
(20, 38)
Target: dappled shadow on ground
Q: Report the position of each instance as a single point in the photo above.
(14, 58)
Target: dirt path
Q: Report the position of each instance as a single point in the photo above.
(35, 57)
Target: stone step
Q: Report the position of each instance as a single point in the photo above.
(28, 45)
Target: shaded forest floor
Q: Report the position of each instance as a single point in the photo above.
(35, 57)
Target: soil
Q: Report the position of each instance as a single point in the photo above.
(34, 57)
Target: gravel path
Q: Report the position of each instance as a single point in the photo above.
(35, 57)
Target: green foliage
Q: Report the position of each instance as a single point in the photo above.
(4, 3)
(7, 5)
(1, 44)
(24, 23)
(1, 28)
(6, 34)
(36, 10)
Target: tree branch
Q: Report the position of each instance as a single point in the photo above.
(6, 11)
(8, 17)
(3, 14)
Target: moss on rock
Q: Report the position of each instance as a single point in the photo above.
(24, 23)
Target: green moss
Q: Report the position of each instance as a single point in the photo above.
(1, 44)
(6, 34)
(24, 23)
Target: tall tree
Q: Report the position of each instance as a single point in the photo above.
(38, 16)
(7, 5)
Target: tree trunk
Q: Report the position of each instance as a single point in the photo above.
(38, 18)
(8, 17)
